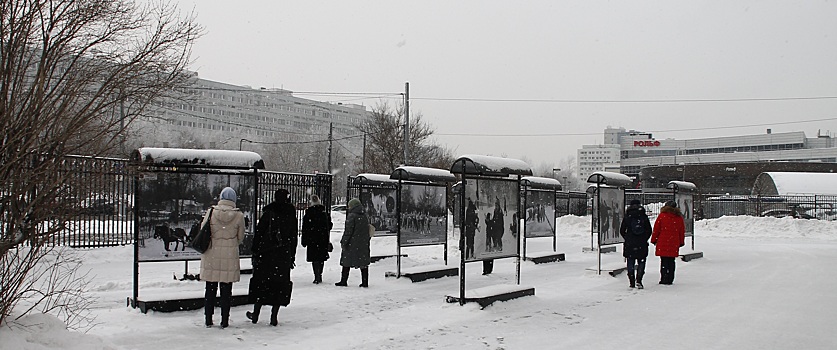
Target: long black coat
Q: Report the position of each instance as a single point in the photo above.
(355, 240)
(635, 246)
(316, 227)
(274, 251)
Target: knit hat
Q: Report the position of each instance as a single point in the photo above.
(315, 200)
(353, 203)
(636, 202)
(282, 196)
(672, 204)
(228, 193)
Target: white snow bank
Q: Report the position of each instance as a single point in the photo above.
(41, 332)
(765, 227)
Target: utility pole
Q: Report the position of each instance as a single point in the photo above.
(330, 138)
(406, 122)
(363, 167)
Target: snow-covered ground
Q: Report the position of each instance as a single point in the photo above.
(764, 283)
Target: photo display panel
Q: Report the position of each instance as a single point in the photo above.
(379, 207)
(171, 207)
(685, 203)
(540, 214)
(609, 209)
(490, 219)
(423, 215)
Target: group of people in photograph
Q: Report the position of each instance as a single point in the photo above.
(274, 251)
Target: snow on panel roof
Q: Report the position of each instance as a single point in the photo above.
(610, 179)
(374, 178)
(414, 173)
(490, 166)
(198, 157)
(788, 183)
(681, 186)
(546, 183)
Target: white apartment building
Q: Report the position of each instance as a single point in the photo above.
(593, 158)
(228, 115)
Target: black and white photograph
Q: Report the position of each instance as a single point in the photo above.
(540, 214)
(423, 215)
(171, 206)
(491, 228)
(686, 204)
(379, 206)
(608, 210)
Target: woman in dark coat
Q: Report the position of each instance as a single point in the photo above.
(669, 235)
(635, 230)
(274, 250)
(355, 244)
(316, 226)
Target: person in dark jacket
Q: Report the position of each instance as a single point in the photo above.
(274, 255)
(355, 244)
(471, 225)
(316, 227)
(669, 235)
(635, 230)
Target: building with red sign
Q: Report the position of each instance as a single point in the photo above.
(639, 152)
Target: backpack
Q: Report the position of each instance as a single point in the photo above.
(635, 225)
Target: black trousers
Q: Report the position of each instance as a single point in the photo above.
(667, 270)
(487, 266)
(226, 298)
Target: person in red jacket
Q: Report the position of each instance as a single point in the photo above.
(668, 236)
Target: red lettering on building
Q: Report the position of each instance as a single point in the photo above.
(649, 143)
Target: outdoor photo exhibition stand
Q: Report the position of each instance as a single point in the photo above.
(490, 202)
(172, 191)
(608, 210)
(540, 198)
(683, 193)
(422, 217)
(378, 195)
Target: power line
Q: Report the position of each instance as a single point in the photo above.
(668, 130)
(300, 142)
(465, 99)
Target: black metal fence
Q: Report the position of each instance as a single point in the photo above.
(300, 187)
(100, 199)
(822, 207)
(571, 203)
(711, 206)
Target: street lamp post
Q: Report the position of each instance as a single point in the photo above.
(240, 141)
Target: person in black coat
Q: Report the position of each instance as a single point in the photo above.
(316, 227)
(274, 255)
(635, 230)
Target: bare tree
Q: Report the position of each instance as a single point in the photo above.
(385, 142)
(74, 74)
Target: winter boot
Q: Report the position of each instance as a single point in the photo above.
(318, 272)
(631, 279)
(254, 316)
(364, 277)
(274, 316)
(344, 277)
(209, 302)
(639, 280)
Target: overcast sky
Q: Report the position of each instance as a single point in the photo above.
(552, 74)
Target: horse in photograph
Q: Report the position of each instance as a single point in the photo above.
(168, 235)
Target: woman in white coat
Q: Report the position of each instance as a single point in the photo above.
(220, 263)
